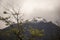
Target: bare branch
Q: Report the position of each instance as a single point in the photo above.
(5, 20)
(10, 11)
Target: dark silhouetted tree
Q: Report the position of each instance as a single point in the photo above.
(18, 20)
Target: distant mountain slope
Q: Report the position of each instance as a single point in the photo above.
(51, 31)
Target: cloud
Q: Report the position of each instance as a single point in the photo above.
(48, 9)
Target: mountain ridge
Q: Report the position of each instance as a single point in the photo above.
(51, 31)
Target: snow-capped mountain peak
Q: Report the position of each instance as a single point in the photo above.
(38, 19)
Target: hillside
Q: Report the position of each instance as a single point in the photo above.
(51, 31)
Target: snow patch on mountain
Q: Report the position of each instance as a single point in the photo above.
(38, 19)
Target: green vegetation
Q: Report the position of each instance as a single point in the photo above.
(18, 32)
(36, 32)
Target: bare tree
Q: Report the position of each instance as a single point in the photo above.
(18, 17)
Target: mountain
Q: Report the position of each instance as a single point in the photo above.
(38, 19)
(51, 31)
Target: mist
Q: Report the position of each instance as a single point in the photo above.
(48, 9)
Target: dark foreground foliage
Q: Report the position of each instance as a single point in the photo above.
(32, 31)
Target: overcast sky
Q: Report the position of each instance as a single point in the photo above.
(48, 9)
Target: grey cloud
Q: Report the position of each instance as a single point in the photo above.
(50, 14)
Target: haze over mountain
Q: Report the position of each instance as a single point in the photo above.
(48, 9)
